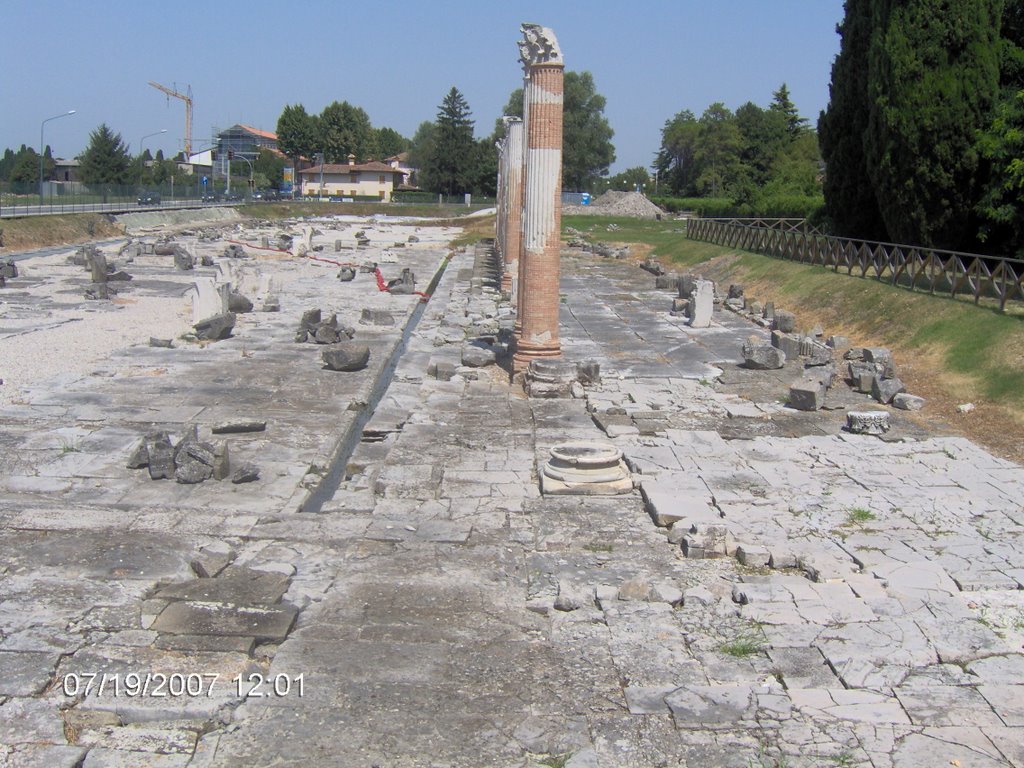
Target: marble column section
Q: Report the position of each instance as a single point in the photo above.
(513, 184)
(500, 200)
(542, 199)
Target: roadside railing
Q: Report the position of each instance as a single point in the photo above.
(912, 267)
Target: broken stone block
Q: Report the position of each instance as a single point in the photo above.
(680, 305)
(215, 328)
(769, 311)
(571, 597)
(221, 461)
(866, 380)
(838, 343)
(376, 317)
(478, 355)
(139, 457)
(754, 307)
(311, 318)
(867, 422)
(326, 334)
(735, 291)
(702, 302)
(908, 402)
(238, 303)
(163, 343)
(118, 276)
(668, 281)
(807, 395)
(588, 371)
(815, 353)
(160, 453)
(212, 559)
(346, 274)
(638, 589)
(877, 355)
(206, 260)
(271, 304)
(183, 259)
(763, 356)
(247, 473)
(784, 321)
(346, 356)
(8, 267)
(884, 390)
(235, 427)
(788, 343)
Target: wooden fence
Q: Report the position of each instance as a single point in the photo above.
(930, 269)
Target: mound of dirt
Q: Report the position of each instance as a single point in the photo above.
(612, 203)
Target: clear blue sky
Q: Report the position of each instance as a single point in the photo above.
(394, 58)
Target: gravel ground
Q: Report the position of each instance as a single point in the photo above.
(71, 335)
(613, 203)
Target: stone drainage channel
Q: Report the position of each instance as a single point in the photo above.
(335, 473)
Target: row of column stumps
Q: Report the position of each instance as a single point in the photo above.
(530, 199)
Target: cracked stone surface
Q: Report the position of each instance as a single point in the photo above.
(776, 591)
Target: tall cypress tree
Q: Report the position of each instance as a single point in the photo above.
(933, 77)
(850, 200)
(449, 167)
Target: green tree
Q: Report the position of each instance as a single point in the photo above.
(629, 180)
(421, 146)
(105, 160)
(390, 143)
(345, 130)
(764, 135)
(298, 133)
(850, 201)
(675, 159)
(25, 169)
(783, 105)
(485, 168)
(450, 167)
(717, 151)
(268, 169)
(587, 149)
(933, 79)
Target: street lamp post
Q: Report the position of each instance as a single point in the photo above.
(65, 114)
(321, 194)
(142, 163)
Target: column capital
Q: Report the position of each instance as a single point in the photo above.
(539, 46)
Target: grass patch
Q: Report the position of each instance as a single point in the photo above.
(743, 646)
(859, 515)
(556, 761)
(70, 446)
(598, 547)
(290, 208)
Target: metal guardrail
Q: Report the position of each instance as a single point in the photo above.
(912, 267)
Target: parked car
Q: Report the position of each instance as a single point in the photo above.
(149, 198)
(210, 197)
(232, 197)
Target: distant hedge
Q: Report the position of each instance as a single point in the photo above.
(776, 206)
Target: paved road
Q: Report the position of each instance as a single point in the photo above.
(875, 618)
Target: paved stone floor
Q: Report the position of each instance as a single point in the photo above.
(775, 592)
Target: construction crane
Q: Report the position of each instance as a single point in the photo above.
(187, 98)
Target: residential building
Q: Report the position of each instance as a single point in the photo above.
(352, 180)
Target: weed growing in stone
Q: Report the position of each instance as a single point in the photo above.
(598, 547)
(556, 761)
(859, 515)
(70, 446)
(748, 645)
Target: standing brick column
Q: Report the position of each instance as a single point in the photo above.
(512, 175)
(542, 204)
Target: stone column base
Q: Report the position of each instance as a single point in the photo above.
(526, 352)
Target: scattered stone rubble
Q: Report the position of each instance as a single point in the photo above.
(189, 462)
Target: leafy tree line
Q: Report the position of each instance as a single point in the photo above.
(22, 167)
(340, 130)
(745, 156)
(922, 136)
